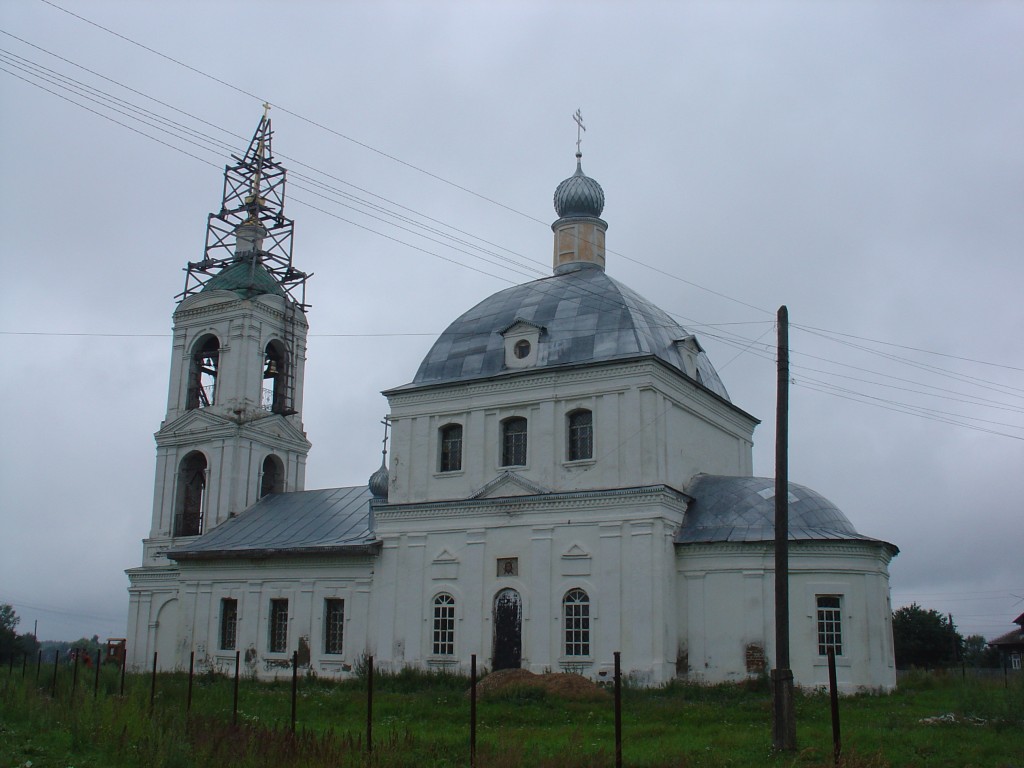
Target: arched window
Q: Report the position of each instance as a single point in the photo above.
(451, 448)
(188, 508)
(444, 625)
(275, 378)
(581, 435)
(272, 476)
(202, 373)
(576, 610)
(513, 442)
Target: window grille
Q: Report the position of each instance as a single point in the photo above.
(576, 609)
(334, 625)
(228, 624)
(278, 641)
(513, 449)
(451, 448)
(444, 625)
(830, 630)
(581, 435)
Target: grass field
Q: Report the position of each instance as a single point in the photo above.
(423, 720)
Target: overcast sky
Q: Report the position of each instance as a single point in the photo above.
(859, 162)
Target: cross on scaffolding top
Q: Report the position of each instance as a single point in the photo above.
(580, 127)
(266, 109)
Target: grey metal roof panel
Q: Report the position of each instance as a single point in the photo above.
(587, 317)
(330, 518)
(742, 509)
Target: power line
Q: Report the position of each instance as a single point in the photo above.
(221, 144)
(204, 141)
(827, 333)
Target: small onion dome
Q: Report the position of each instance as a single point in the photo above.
(579, 195)
(379, 482)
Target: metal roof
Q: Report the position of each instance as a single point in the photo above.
(579, 195)
(742, 509)
(586, 316)
(246, 277)
(299, 522)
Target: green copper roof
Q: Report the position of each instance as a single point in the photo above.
(245, 277)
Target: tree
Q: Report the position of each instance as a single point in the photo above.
(978, 653)
(924, 638)
(8, 636)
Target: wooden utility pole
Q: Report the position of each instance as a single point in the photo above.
(783, 714)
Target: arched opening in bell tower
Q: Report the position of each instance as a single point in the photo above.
(202, 373)
(191, 493)
(272, 476)
(275, 378)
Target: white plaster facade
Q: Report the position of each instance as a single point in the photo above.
(605, 525)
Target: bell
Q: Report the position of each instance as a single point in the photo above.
(271, 369)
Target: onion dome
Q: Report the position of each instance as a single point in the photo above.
(579, 195)
(379, 482)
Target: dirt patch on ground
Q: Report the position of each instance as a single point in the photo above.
(565, 685)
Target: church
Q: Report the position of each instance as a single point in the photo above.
(567, 477)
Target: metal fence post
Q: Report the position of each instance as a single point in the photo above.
(472, 711)
(96, 684)
(837, 748)
(369, 705)
(618, 710)
(295, 684)
(152, 686)
(53, 686)
(234, 705)
(191, 672)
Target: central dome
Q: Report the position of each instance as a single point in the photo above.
(585, 317)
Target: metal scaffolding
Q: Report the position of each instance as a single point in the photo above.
(254, 192)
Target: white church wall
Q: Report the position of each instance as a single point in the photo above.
(650, 426)
(305, 583)
(728, 601)
(618, 551)
(150, 627)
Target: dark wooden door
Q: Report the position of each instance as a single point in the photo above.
(508, 630)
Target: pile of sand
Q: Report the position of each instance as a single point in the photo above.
(562, 684)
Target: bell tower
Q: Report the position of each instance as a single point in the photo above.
(233, 430)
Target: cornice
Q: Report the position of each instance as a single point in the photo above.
(559, 502)
(166, 436)
(236, 306)
(547, 378)
(338, 559)
(828, 547)
(261, 555)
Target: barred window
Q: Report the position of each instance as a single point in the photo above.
(830, 629)
(334, 625)
(581, 435)
(444, 625)
(228, 624)
(513, 446)
(576, 609)
(451, 448)
(278, 640)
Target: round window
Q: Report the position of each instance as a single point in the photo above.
(522, 348)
